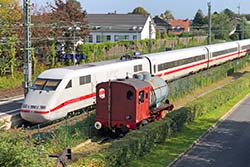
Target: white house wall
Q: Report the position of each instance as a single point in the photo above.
(144, 34)
(145, 30)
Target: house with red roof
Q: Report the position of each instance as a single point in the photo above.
(177, 27)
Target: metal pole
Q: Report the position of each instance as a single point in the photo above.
(209, 23)
(27, 47)
(67, 133)
(241, 24)
(39, 134)
(150, 37)
(74, 54)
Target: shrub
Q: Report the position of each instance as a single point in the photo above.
(15, 150)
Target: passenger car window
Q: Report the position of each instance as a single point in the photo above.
(84, 79)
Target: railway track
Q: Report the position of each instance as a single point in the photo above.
(31, 130)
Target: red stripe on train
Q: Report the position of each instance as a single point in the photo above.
(68, 102)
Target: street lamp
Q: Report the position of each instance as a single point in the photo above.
(73, 30)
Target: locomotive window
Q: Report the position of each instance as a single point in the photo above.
(138, 68)
(141, 96)
(85, 79)
(69, 85)
(129, 95)
(52, 84)
(146, 95)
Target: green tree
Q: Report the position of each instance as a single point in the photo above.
(10, 15)
(199, 19)
(229, 13)
(164, 35)
(12, 54)
(167, 15)
(158, 34)
(221, 26)
(140, 10)
(53, 54)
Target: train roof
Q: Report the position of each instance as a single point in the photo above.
(136, 83)
(59, 73)
(178, 54)
(221, 46)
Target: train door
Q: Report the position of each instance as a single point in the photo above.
(208, 56)
(239, 49)
(93, 86)
(153, 66)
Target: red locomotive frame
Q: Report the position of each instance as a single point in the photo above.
(125, 104)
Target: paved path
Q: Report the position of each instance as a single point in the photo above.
(228, 145)
(10, 106)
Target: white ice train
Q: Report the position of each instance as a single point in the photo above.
(56, 92)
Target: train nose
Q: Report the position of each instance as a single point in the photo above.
(35, 114)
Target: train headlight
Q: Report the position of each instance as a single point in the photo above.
(98, 125)
(24, 106)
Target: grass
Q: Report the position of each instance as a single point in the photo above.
(11, 82)
(166, 152)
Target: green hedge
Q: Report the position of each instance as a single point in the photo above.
(139, 142)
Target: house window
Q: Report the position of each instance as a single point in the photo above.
(126, 37)
(106, 38)
(90, 38)
(134, 37)
(121, 37)
(84, 79)
(98, 39)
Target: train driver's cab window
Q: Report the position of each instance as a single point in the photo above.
(141, 96)
(51, 84)
(46, 84)
(69, 85)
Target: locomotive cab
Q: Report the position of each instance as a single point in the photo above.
(122, 104)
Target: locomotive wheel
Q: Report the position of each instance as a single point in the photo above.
(124, 129)
(144, 122)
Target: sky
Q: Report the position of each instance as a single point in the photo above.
(181, 9)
